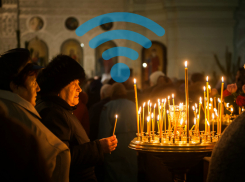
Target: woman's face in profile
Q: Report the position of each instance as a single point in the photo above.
(70, 93)
(29, 92)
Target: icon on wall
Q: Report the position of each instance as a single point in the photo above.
(71, 23)
(36, 23)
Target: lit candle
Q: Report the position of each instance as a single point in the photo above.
(158, 122)
(154, 116)
(153, 125)
(208, 127)
(173, 98)
(213, 121)
(143, 120)
(212, 105)
(136, 103)
(221, 100)
(195, 128)
(187, 100)
(199, 114)
(207, 99)
(218, 122)
(215, 102)
(139, 113)
(169, 123)
(114, 126)
(164, 111)
(148, 125)
(205, 114)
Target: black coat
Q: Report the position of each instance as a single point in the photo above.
(58, 116)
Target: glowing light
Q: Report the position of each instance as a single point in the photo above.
(186, 64)
(144, 65)
(82, 44)
(207, 79)
(116, 115)
(134, 81)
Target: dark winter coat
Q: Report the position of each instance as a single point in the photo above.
(57, 115)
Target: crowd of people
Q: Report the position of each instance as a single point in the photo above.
(57, 125)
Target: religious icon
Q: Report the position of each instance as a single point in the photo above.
(154, 59)
(71, 23)
(36, 23)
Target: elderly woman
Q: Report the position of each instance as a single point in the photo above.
(60, 89)
(18, 91)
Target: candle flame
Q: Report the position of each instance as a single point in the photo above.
(200, 100)
(116, 115)
(144, 104)
(218, 100)
(139, 110)
(227, 105)
(209, 87)
(207, 79)
(211, 99)
(148, 118)
(194, 121)
(158, 100)
(213, 115)
(198, 116)
(168, 97)
(134, 81)
(167, 112)
(193, 108)
(232, 109)
(158, 117)
(204, 88)
(173, 96)
(148, 102)
(152, 115)
(222, 79)
(186, 64)
(208, 123)
(162, 100)
(181, 121)
(154, 105)
(196, 105)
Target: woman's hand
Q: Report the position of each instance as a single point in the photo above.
(108, 144)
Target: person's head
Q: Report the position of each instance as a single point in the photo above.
(18, 74)
(154, 77)
(105, 91)
(62, 77)
(118, 91)
(163, 80)
(197, 77)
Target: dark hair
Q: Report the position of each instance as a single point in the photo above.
(195, 77)
(12, 62)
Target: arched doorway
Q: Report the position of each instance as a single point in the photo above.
(153, 59)
(104, 66)
(39, 51)
(72, 48)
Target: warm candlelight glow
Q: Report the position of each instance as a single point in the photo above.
(144, 104)
(204, 88)
(167, 112)
(168, 97)
(155, 105)
(213, 115)
(173, 96)
(163, 100)
(134, 81)
(193, 108)
(209, 87)
(200, 100)
(139, 110)
(157, 117)
(194, 121)
(211, 99)
(148, 118)
(148, 102)
(207, 79)
(186, 64)
(152, 115)
(181, 121)
(222, 79)
(116, 115)
(232, 109)
(227, 105)
(158, 100)
(208, 123)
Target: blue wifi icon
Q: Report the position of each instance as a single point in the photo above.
(120, 72)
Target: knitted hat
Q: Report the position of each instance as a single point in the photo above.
(59, 73)
(12, 62)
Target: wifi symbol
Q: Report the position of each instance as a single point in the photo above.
(120, 72)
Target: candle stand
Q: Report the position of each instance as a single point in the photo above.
(176, 154)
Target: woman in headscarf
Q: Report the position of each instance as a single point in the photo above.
(18, 91)
(59, 83)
